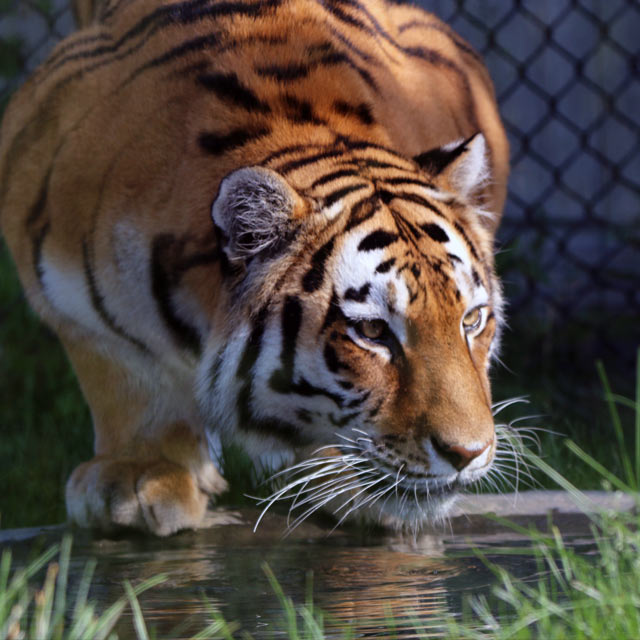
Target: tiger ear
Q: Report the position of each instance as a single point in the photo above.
(462, 163)
(255, 213)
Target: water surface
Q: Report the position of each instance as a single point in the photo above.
(357, 576)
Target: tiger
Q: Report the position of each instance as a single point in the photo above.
(268, 223)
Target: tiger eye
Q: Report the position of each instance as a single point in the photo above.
(372, 329)
(472, 319)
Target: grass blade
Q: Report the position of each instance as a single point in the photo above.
(617, 425)
(138, 619)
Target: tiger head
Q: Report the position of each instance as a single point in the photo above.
(371, 313)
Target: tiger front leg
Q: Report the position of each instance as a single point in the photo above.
(149, 473)
(157, 496)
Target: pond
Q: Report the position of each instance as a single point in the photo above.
(361, 577)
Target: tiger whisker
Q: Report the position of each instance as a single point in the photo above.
(327, 487)
(364, 488)
(301, 518)
(499, 406)
(370, 501)
(318, 501)
(282, 493)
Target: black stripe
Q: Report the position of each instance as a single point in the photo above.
(300, 111)
(380, 164)
(358, 295)
(377, 240)
(386, 196)
(360, 111)
(457, 41)
(183, 16)
(312, 280)
(435, 232)
(305, 388)
(415, 181)
(217, 144)
(108, 10)
(281, 379)
(159, 18)
(39, 205)
(285, 431)
(429, 55)
(376, 410)
(276, 155)
(351, 143)
(177, 13)
(436, 160)
(385, 266)
(356, 402)
(362, 211)
(333, 362)
(334, 313)
(340, 423)
(164, 279)
(463, 233)
(292, 165)
(38, 235)
(412, 197)
(293, 71)
(335, 175)
(98, 302)
(341, 193)
(341, 145)
(284, 73)
(345, 17)
(252, 348)
(269, 427)
(198, 44)
(73, 43)
(226, 86)
(414, 231)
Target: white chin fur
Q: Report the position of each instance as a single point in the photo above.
(403, 512)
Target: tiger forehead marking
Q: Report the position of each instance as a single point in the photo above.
(268, 223)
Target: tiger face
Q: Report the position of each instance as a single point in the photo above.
(372, 312)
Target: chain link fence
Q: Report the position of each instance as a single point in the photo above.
(567, 76)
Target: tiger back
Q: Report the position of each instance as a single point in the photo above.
(268, 222)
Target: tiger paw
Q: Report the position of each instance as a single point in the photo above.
(158, 496)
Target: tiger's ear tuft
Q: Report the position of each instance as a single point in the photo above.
(255, 211)
(463, 163)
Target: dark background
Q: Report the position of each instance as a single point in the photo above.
(567, 77)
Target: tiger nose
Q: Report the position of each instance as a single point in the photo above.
(457, 455)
